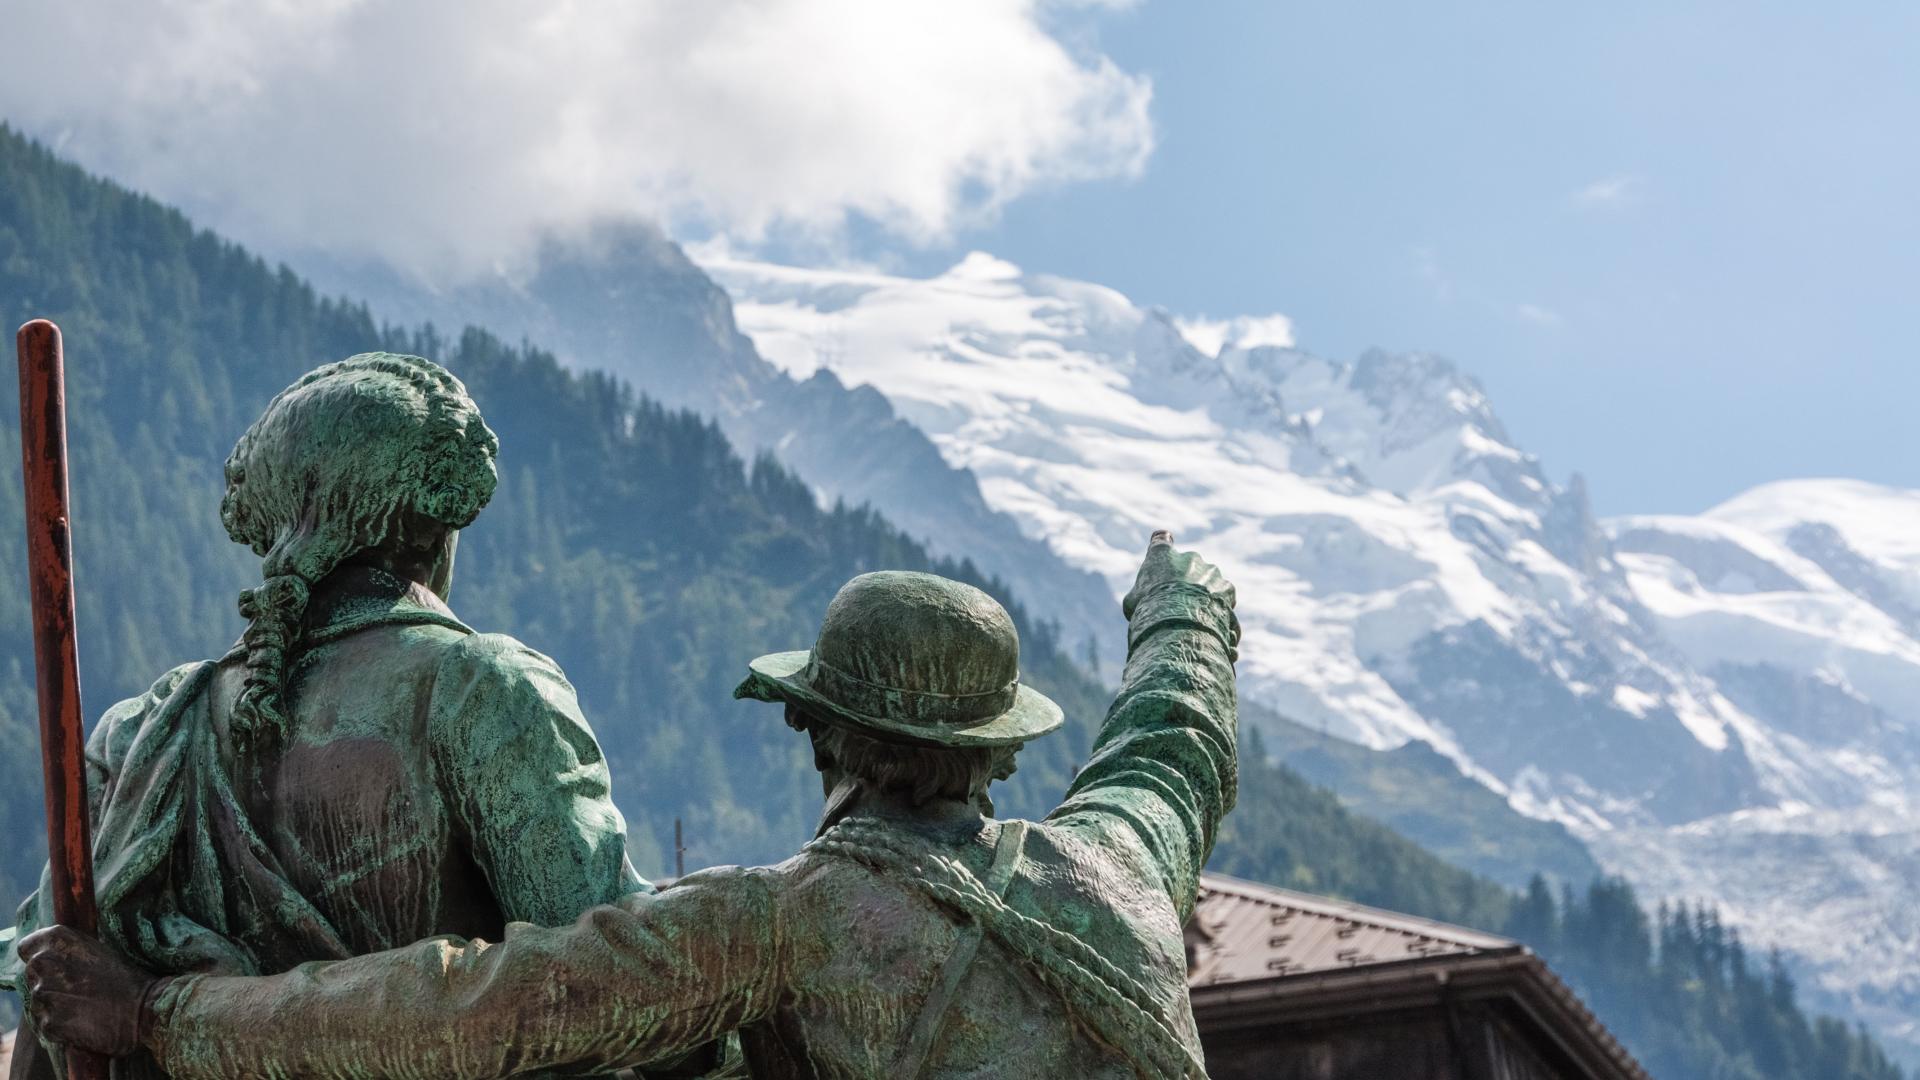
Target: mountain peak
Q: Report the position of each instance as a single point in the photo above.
(1213, 336)
(980, 266)
(1407, 422)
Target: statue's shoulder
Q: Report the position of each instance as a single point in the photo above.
(491, 689)
(495, 655)
(120, 726)
(878, 858)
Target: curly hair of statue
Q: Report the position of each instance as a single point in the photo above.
(346, 460)
(1111, 1004)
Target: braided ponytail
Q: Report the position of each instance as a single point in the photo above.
(273, 611)
(346, 460)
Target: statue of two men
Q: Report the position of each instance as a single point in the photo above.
(364, 771)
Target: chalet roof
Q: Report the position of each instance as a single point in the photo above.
(1259, 954)
(1246, 931)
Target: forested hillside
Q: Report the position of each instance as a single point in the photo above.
(1682, 992)
(633, 545)
(627, 541)
(1676, 987)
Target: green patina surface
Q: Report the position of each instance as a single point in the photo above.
(361, 770)
(914, 937)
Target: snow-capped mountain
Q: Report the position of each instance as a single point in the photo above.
(1387, 538)
(1801, 600)
(630, 302)
(1715, 705)
(1407, 573)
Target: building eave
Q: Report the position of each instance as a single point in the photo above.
(1512, 977)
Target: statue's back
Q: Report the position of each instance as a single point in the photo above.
(873, 953)
(351, 801)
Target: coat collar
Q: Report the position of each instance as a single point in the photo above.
(356, 598)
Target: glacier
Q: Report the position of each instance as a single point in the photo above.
(1801, 599)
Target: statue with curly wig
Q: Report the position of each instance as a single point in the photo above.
(361, 769)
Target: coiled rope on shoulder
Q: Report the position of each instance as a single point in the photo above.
(1110, 1003)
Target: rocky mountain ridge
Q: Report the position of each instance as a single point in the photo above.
(630, 302)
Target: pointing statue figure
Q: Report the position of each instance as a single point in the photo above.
(361, 770)
(915, 936)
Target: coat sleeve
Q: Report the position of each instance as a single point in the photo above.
(528, 782)
(106, 751)
(1165, 765)
(649, 978)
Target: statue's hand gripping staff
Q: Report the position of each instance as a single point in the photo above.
(43, 461)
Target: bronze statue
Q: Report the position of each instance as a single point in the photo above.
(914, 936)
(361, 770)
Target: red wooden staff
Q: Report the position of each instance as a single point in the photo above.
(43, 460)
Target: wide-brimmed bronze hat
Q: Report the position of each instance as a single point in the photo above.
(911, 657)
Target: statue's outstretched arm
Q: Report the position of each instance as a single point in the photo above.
(649, 978)
(1165, 765)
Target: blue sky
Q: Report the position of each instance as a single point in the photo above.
(1679, 243)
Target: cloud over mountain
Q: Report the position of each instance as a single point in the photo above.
(448, 135)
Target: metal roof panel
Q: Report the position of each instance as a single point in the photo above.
(1242, 931)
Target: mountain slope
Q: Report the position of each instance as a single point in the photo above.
(1410, 575)
(1383, 531)
(1802, 600)
(1424, 797)
(626, 539)
(628, 301)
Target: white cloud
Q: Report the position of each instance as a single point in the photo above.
(448, 135)
(1537, 315)
(1244, 332)
(1615, 190)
